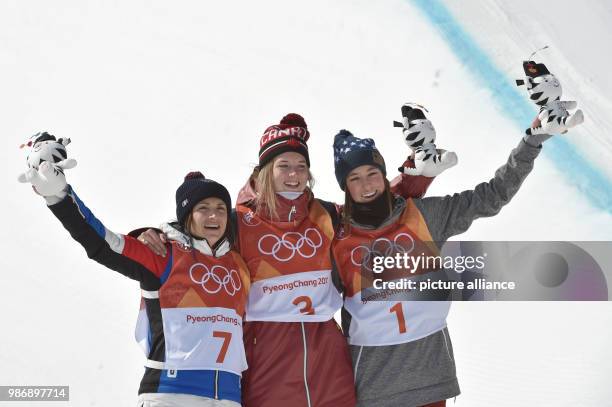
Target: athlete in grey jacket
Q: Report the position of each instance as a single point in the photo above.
(402, 353)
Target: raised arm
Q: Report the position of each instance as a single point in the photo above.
(453, 214)
(425, 161)
(123, 254)
(47, 160)
(410, 186)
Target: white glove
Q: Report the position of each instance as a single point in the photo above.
(49, 180)
(555, 119)
(420, 135)
(429, 166)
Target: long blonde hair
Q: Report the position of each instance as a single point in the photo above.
(264, 188)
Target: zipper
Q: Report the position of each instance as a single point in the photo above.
(305, 359)
(357, 365)
(293, 211)
(216, 385)
(446, 345)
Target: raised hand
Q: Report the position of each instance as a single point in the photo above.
(155, 241)
(47, 160)
(554, 118)
(420, 136)
(545, 90)
(431, 166)
(49, 181)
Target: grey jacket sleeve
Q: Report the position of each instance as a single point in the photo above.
(453, 214)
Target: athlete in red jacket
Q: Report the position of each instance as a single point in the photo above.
(296, 352)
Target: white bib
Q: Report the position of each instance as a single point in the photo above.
(300, 297)
(379, 323)
(199, 339)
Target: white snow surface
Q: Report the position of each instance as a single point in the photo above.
(149, 90)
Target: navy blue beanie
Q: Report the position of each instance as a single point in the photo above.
(351, 152)
(195, 188)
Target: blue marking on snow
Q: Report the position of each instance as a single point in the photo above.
(581, 173)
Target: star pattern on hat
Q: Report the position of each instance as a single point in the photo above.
(351, 152)
(352, 143)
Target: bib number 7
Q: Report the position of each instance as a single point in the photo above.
(227, 337)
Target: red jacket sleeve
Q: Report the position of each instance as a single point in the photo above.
(410, 186)
(135, 250)
(124, 254)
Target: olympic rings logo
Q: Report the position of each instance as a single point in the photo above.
(216, 278)
(305, 245)
(381, 247)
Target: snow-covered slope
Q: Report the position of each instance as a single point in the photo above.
(576, 35)
(149, 90)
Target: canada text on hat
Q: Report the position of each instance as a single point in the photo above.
(275, 132)
(291, 134)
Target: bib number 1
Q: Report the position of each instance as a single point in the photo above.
(399, 313)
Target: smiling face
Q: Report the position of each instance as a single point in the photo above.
(365, 183)
(208, 220)
(290, 172)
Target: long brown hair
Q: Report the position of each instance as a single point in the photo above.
(265, 200)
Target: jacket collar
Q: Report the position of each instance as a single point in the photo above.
(173, 232)
(288, 210)
(291, 210)
(398, 207)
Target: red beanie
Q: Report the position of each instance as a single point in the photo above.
(291, 134)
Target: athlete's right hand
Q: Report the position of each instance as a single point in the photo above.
(155, 241)
(48, 181)
(430, 166)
